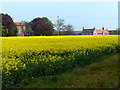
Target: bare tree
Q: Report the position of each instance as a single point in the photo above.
(60, 25)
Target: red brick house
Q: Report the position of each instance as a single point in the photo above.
(101, 32)
(95, 31)
(21, 27)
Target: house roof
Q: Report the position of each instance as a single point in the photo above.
(101, 31)
(88, 31)
(18, 23)
(106, 31)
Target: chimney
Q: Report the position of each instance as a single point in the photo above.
(94, 28)
(83, 28)
(103, 28)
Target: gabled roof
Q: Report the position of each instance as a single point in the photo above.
(18, 23)
(87, 30)
(101, 31)
(106, 31)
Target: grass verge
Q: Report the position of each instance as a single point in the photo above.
(103, 74)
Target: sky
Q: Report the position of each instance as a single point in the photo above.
(78, 14)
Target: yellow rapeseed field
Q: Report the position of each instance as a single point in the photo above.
(47, 55)
(21, 44)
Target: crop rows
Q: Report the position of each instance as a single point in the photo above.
(29, 57)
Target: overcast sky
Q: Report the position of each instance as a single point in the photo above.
(78, 14)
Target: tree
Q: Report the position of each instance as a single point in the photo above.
(15, 29)
(59, 25)
(69, 27)
(47, 20)
(27, 28)
(41, 27)
(7, 23)
(3, 31)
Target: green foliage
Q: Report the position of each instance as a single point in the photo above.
(7, 23)
(47, 20)
(40, 59)
(15, 29)
(3, 31)
(44, 63)
(103, 74)
(27, 30)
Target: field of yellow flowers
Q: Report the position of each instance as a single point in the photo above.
(28, 57)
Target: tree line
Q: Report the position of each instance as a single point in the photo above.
(36, 27)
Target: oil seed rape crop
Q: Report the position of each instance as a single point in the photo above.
(26, 57)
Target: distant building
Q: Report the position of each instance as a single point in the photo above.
(114, 32)
(68, 33)
(101, 32)
(87, 31)
(77, 32)
(95, 31)
(21, 27)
